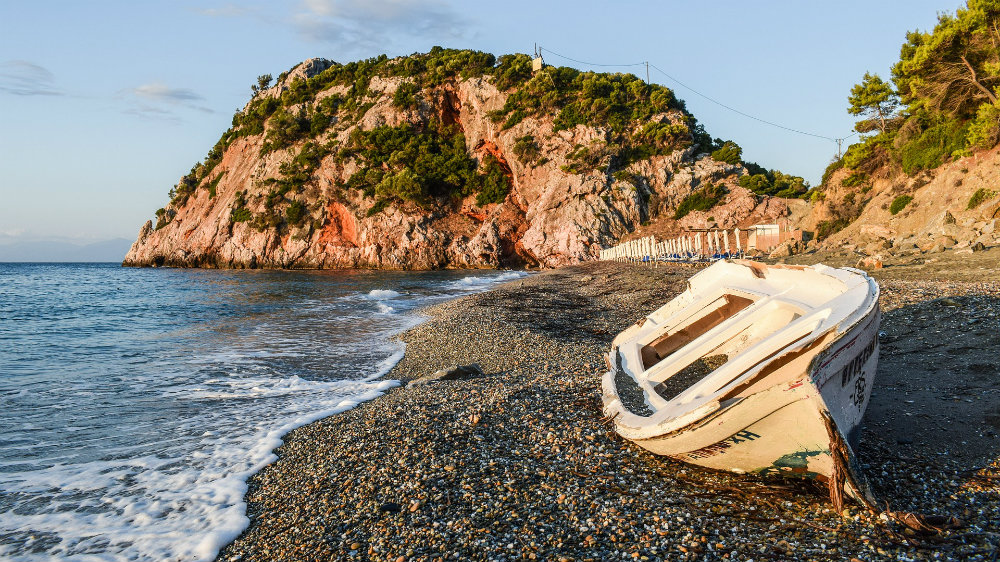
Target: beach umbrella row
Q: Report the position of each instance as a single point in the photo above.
(712, 244)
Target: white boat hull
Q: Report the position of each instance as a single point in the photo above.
(804, 425)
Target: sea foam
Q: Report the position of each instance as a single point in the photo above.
(133, 435)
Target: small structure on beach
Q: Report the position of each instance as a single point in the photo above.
(766, 237)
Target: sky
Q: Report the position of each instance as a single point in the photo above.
(104, 105)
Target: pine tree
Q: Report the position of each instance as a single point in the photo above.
(874, 98)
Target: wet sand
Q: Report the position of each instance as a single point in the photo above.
(517, 463)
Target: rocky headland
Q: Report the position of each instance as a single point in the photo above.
(446, 159)
(456, 159)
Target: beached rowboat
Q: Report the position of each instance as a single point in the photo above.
(753, 369)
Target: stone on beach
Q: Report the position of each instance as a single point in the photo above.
(459, 372)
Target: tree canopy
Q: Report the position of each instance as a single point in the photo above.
(945, 104)
(956, 67)
(873, 98)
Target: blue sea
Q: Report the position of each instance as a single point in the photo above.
(135, 403)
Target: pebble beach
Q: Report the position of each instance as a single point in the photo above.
(517, 463)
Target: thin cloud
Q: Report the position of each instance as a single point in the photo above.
(376, 23)
(152, 113)
(227, 11)
(162, 93)
(157, 101)
(23, 78)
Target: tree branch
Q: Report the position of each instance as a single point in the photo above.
(975, 81)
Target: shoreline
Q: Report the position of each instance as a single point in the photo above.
(516, 463)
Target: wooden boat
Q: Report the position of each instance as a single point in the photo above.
(753, 369)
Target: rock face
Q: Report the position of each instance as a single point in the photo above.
(550, 217)
(955, 206)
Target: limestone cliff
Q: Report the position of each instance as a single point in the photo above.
(558, 165)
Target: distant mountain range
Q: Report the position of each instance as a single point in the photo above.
(50, 251)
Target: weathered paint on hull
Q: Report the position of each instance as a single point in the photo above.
(770, 427)
(846, 375)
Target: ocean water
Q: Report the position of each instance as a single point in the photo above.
(135, 403)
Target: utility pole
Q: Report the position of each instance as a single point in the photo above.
(647, 73)
(839, 142)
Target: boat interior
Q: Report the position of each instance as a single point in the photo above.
(726, 345)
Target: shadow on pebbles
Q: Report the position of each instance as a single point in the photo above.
(516, 463)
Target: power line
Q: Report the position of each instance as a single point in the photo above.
(716, 102)
(734, 110)
(587, 63)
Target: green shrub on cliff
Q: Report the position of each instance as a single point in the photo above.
(729, 152)
(239, 212)
(664, 134)
(298, 171)
(583, 159)
(378, 207)
(214, 184)
(163, 217)
(900, 203)
(979, 197)
(410, 164)
(240, 215)
(934, 146)
(513, 119)
(701, 200)
(512, 70)
(773, 182)
(526, 148)
(586, 98)
(186, 186)
(286, 128)
(854, 180)
(295, 212)
(984, 130)
(405, 96)
(494, 185)
(403, 185)
(250, 121)
(872, 152)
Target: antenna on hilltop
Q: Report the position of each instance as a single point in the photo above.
(537, 63)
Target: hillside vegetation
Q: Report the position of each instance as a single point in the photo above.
(941, 104)
(428, 164)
